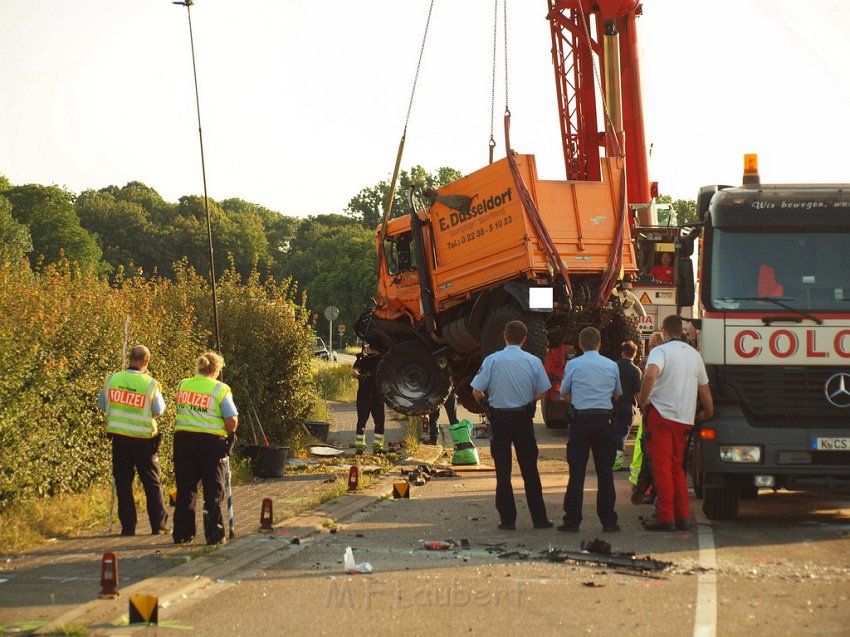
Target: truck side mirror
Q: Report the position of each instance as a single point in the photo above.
(685, 289)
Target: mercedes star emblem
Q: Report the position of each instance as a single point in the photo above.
(837, 390)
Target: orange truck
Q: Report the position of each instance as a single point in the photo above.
(503, 244)
(495, 246)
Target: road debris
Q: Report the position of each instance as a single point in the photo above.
(364, 568)
(623, 560)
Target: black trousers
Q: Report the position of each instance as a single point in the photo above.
(516, 428)
(370, 403)
(451, 413)
(198, 457)
(128, 456)
(591, 433)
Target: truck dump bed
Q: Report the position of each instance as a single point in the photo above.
(493, 240)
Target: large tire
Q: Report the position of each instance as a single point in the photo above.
(555, 413)
(463, 392)
(411, 380)
(720, 503)
(622, 328)
(492, 339)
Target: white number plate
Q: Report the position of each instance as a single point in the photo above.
(831, 444)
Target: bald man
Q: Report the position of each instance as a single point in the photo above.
(132, 401)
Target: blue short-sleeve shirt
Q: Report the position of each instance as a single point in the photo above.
(511, 377)
(592, 379)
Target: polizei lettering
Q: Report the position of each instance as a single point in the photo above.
(491, 203)
(193, 400)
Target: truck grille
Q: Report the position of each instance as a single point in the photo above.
(785, 396)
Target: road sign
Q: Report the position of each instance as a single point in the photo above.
(341, 328)
(332, 312)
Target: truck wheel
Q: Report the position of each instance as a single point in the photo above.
(411, 380)
(697, 477)
(720, 503)
(491, 334)
(622, 328)
(555, 413)
(463, 393)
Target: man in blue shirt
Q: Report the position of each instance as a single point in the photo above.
(514, 380)
(590, 383)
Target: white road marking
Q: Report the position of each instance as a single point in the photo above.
(705, 618)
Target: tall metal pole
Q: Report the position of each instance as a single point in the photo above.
(188, 4)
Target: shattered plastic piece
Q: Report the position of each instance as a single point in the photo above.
(350, 566)
(439, 545)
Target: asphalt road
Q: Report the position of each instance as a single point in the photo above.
(782, 568)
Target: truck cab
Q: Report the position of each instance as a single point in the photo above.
(775, 337)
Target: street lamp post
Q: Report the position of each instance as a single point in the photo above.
(188, 4)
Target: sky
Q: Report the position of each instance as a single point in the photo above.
(303, 103)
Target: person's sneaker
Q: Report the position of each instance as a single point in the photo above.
(507, 527)
(568, 528)
(431, 441)
(545, 524)
(163, 530)
(655, 525)
(611, 528)
(682, 525)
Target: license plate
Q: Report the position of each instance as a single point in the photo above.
(831, 444)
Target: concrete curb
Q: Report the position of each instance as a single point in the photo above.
(230, 559)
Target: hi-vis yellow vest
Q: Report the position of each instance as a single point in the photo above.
(199, 405)
(129, 399)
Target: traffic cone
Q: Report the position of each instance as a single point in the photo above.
(108, 576)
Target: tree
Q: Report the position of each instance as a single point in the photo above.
(332, 257)
(123, 228)
(367, 206)
(685, 211)
(48, 212)
(15, 240)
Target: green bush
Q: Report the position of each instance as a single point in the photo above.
(334, 382)
(61, 334)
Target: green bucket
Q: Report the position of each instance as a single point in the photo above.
(465, 451)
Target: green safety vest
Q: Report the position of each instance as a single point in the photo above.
(129, 399)
(199, 405)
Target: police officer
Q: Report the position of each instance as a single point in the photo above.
(206, 416)
(514, 380)
(132, 401)
(590, 383)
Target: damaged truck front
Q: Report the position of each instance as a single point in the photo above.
(498, 245)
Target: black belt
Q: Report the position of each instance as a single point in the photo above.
(511, 410)
(593, 412)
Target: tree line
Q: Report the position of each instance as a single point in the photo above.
(330, 256)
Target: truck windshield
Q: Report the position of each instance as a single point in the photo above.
(802, 269)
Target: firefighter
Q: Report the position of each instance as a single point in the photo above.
(132, 402)
(204, 433)
(369, 401)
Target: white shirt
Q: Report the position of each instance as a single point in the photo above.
(681, 371)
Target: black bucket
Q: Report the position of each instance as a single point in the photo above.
(269, 461)
(318, 430)
(250, 452)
